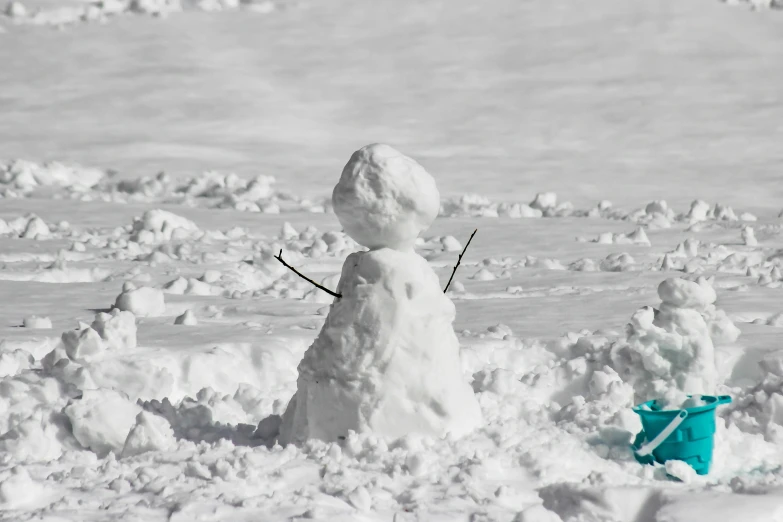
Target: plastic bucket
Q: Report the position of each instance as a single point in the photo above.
(686, 434)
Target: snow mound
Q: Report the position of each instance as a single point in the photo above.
(384, 198)
(150, 433)
(40, 323)
(142, 302)
(637, 237)
(386, 360)
(156, 226)
(672, 349)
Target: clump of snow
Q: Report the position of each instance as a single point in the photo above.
(188, 318)
(156, 226)
(672, 349)
(384, 198)
(117, 328)
(41, 323)
(681, 470)
(544, 201)
(637, 237)
(619, 262)
(101, 420)
(150, 433)
(18, 489)
(451, 244)
(483, 275)
(142, 302)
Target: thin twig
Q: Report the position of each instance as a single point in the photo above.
(458, 261)
(279, 257)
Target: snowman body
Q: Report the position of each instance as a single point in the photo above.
(387, 359)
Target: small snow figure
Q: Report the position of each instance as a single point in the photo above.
(749, 237)
(387, 359)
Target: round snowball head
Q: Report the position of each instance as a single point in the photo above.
(384, 198)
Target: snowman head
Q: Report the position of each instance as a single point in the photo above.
(385, 199)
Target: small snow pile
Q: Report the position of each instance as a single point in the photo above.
(28, 176)
(673, 348)
(760, 408)
(150, 433)
(618, 262)
(18, 489)
(387, 359)
(546, 203)
(142, 302)
(190, 286)
(29, 226)
(637, 237)
(156, 226)
(112, 331)
(40, 323)
(188, 318)
(101, 420)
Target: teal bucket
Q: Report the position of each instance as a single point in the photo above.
(685, 435)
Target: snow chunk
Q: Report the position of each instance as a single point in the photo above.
(117, 328)
(41, 323)
(681, 293)
(150, 433)
(101, 420)
(450, 244)
(186, 319)
(384, 198)
(544, 201)
(36, 229)
(18, 489)
(681, 470)
(142, 302)
(158, 225)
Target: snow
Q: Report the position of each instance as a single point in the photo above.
(142, 302)
(386, 360)
(213, 144)
(385, 199)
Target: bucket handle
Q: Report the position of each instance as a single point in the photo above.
(648, 448)
(724, 399)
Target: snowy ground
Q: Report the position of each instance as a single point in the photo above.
(631, 102)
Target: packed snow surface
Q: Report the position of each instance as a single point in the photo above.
(620, 160)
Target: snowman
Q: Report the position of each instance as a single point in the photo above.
(386, 360)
